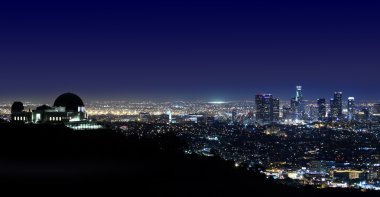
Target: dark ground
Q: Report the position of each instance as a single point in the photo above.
(54, 160)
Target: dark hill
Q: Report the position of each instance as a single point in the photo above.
(55, 160)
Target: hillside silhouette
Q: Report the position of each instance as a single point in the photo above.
(54, 159)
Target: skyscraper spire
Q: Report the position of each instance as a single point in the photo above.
(299, 94)
(299, 107)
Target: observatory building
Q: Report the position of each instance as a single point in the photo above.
(68, 109)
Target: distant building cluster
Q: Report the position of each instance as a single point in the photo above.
(298, 111)
(264, 109)
(320, 154)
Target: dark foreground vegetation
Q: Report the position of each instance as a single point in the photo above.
(54, 160)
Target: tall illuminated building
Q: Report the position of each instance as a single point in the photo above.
(234, 115)
(169, 113)
(267, 109)
(263, 108)
(351, 108)
(321, 108)
(276, 110)
(299, 97)
(298, 103)
(293, 104)
(336, 106)
(338, 97)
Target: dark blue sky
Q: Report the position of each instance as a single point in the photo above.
(189, 49)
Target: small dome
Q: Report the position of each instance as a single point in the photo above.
(17, 107)
(70, 101)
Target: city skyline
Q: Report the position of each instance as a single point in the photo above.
(215, 100)
(214, 50)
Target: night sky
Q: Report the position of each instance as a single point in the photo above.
(213, 50)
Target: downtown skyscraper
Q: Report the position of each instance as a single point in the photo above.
(267, 108)
(351, 108)
(297, 104)
(322, 109)
(336, 106)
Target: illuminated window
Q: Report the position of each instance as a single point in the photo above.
(38, 117)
